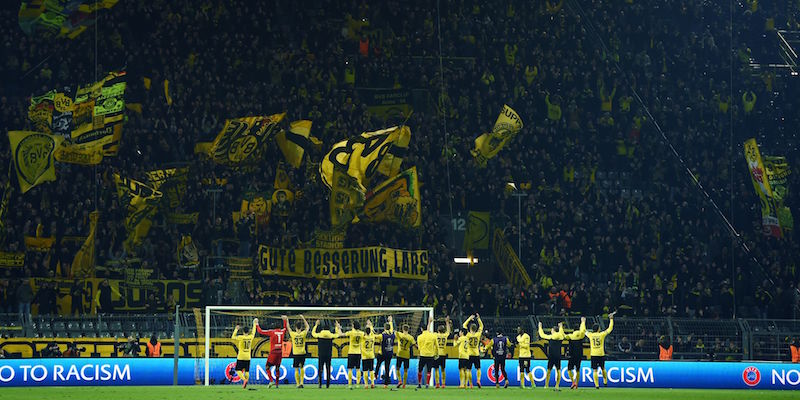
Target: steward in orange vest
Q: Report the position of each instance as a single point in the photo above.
(153, 347)
(664, 349)
(794, 347)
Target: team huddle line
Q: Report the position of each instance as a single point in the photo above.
(432, 347)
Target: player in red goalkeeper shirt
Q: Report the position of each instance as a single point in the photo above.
(276, 337)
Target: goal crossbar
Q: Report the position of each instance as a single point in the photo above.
(210, 309)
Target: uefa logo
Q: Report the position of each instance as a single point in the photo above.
(230, 373)
(751, 376)
(490, 375)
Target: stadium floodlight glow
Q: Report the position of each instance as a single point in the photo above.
(465, 260)
(292, 310)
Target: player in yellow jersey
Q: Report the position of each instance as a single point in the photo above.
(576, 353)
(440, 363)
(524, 346)
(464, 373)
(368, 354)
(356, 336)
(554, 344)
(473, 346)
(597, 341)
(404, 343)
(298, 337)
(426, 343)
(244, 343)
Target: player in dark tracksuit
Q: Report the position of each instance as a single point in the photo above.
(499, 348)
(325, 350)
(554, 345)
(387, 351)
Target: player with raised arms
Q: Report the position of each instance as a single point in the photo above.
(387, 350)
(426, 343)
(524, 346)
(276, 337)
(440, 364)
(473, 346)
(597, 341)
(554, 345)
(298, 337)
(325, 350)
(576, 353)
(404, 343)
(356, 336)
(498, 347)
(244, 343)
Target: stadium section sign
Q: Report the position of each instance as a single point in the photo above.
(362, 262)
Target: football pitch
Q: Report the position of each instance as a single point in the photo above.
(289, 392)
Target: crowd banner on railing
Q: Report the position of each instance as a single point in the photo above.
(133, 298)
(621, 374)
(362, 262)
(509, 262)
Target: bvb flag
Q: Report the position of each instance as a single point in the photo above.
(83, 263)
(506, 127)
(187, 252)
(778, 171)
(241, 140)
(477, 235)
(365, 155)
(142, 203)
(33, 156)
(297, 142)
(346, 198)
(769, 213)
(396, 200)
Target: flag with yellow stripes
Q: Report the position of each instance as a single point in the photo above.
(241, 140)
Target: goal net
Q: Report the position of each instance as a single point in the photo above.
(219, 323)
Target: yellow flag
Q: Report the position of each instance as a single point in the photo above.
(346, 198)
(506, 127)
(166, 92)
(76, 154)
(477, 235)
(83, 263)
(295, 143)
(135, 107)
(187, 252)
(396, 200)
(32, 153)
(147, 82)
(758, 174)
(142, 203)
(241, 139)
(365, 155)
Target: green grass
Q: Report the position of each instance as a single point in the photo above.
(289, 392)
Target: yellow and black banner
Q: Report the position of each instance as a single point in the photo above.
(363, 262)
(142, 203)
(62, 19)
(509, 262)
(396, 200)
(331, 239)
(347, 197)
(241, 140)
(81, 155)
(758, 174)
(182, 218)
(32, 153)
(365, 155)
(12, 260)
(84, 261)
(387, 103)
(297, 142)
(506, 127)
(478, 231)
(171, 182)
(778, 171)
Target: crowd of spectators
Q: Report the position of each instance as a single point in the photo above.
(612, 219)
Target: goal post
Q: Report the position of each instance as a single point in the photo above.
(226, 316)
